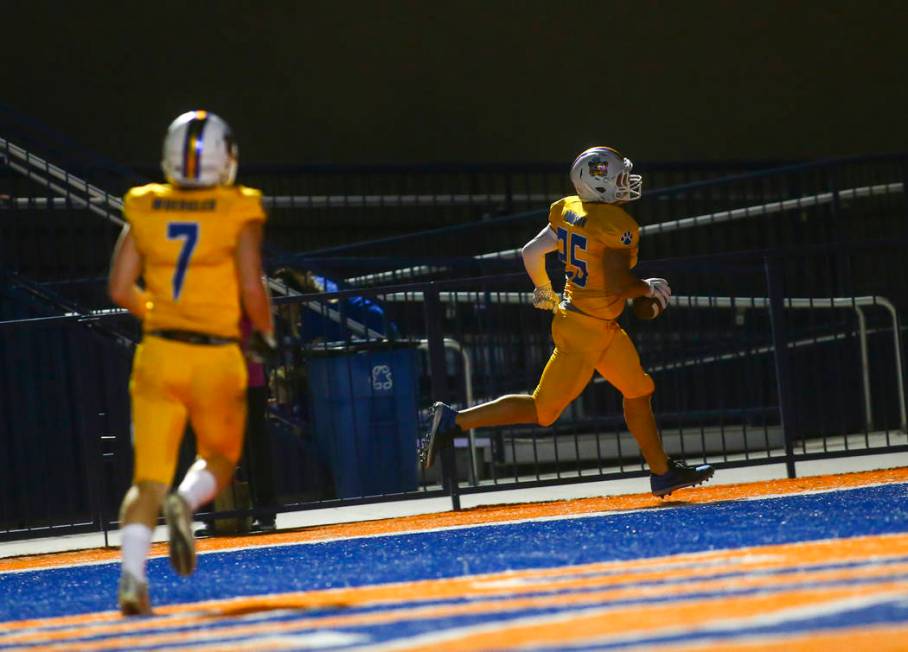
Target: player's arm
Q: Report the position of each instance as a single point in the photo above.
(620, 281)
(125, 269)
(255, 298)
(533, 254)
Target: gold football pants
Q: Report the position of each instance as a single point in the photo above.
(583, 345)
(175, 381)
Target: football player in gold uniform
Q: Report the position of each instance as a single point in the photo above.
(598, 243)
(196, 243)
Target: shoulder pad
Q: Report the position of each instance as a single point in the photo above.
(139, 192)
(247, 192)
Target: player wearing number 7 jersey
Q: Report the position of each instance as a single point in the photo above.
(597, 242)
(196, 243)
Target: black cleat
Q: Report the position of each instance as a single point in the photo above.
(678, 476)
(440, 435)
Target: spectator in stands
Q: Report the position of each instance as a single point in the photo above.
(313, 326)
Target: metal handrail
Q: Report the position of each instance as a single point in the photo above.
(41, 171)
(705, 219)
(682, 301)
(855, 303)
(678, 301)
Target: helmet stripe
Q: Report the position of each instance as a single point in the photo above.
(611, 149)
(590, 149)
(192, 146)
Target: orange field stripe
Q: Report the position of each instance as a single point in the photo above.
(596, 625)
(654, 591)
(593, 624)
(482, 515)
(406, 613)
(879, 548)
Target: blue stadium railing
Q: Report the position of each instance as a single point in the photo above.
(747, 372)
(828, 201)
(785, 348)
(833, 201)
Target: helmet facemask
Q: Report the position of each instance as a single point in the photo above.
(628, 186)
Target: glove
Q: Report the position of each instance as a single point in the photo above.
(545, 299)
(261, 348)
(659, 290)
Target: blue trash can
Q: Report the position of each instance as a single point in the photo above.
(364, 417)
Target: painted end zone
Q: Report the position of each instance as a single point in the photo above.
(774, 564)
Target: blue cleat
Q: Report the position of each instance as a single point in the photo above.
(678, 476)
(440, 435)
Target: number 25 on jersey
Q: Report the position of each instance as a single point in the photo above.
(574, 266)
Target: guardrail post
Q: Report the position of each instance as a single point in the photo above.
(102, 460)
(903, 162)
(787, 418)
(107, 460)
(439, 378)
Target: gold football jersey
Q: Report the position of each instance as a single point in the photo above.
(187, 239)
(585, 231)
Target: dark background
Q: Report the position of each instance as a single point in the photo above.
(421, 81)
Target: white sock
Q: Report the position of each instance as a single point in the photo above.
(198, 487)
(135, 542)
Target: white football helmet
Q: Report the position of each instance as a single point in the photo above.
(601, 174)
(199, 151)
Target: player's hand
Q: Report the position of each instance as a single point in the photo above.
(659, 290)
(261, 348)
(545, 299)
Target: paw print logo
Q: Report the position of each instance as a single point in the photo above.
(627, 237)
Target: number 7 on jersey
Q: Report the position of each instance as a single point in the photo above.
(181, 230)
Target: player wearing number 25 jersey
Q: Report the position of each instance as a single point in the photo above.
(589, 235)
(584, 232)
(597, 241)
(196, 243)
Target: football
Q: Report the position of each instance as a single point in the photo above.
(646, 308)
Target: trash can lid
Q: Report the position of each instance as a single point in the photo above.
(346, 347)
